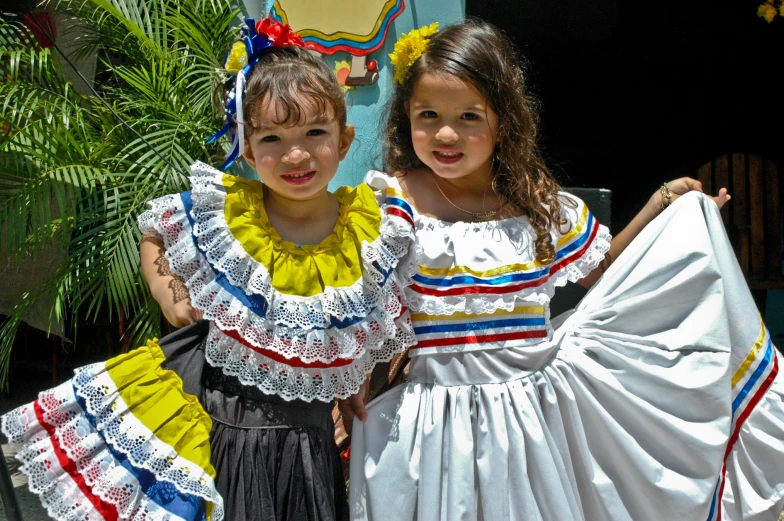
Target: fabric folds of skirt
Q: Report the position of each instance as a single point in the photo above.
(660, 399)
(275, 459)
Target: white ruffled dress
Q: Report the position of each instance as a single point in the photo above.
(658, 397)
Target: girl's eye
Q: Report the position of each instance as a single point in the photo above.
(316, 132)
(428, 114)
(269, 139)
(470, 116)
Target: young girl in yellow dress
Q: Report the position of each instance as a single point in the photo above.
(231, 415)
(657, 398)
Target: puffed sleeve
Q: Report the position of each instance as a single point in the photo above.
(581, 242)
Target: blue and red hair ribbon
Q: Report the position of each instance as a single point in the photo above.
(257, 37)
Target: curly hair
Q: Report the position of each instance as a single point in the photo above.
(478, 54)
(292, 76)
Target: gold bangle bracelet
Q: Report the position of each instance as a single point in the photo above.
(666, 196)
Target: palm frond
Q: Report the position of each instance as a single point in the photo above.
(71, 172)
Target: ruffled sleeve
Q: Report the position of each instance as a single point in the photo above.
(581, 243)
(304, 322)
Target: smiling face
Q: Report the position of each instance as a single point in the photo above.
(296, 162)
(453, 130)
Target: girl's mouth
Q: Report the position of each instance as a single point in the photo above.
(447, 157)
(299, 178)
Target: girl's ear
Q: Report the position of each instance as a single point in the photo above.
(407, 108)
(346, 138)
(248, 155)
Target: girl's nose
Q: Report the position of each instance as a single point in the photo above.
(296, 155)
(446, 134)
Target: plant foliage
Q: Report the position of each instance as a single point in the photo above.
(71, 172)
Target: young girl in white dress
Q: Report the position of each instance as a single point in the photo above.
(656, 398)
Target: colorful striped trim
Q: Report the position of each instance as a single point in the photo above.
(395, 204)
(760, 378)
(462, 280)
(577, 230)
(502, 285)
(522, 322)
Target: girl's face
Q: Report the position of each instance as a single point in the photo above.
(296, 162)
(453, 129)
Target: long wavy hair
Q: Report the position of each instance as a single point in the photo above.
(478, 54)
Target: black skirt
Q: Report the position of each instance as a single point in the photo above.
(275, 460)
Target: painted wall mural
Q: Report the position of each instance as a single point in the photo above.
(358, 27)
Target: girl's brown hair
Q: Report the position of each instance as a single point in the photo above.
(477, 53)
(290, 77)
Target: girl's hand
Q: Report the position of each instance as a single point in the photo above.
(353, 406)
(681, 186)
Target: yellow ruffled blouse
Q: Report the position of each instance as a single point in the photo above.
(305, 270)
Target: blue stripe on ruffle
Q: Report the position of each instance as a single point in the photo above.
(163, 493)
(471, 279)
(754, 377)
(400, 203)
(478, 326)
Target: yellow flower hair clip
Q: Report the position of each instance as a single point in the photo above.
(409, 48)
(236, 58)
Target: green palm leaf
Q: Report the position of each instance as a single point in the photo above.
(72, 174)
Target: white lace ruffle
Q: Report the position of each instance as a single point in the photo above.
(301, 383)
(589, 260)
(168, 217)
(128, 435)
(92, 458)
(488, 303)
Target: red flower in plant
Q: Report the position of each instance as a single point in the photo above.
(278, 33)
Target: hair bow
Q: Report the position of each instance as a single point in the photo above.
(257, 38)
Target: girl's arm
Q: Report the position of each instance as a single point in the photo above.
(169, 291)
(653, 208)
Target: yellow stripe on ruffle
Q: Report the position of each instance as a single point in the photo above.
(460, 270)
(156, 398)
(738, 376)
(519, 310)
(394, 192)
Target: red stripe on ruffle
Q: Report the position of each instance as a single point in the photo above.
(741, 420)
(474, 339)
(401, 213)
(473, 290)
(293, 362)
(107, 510)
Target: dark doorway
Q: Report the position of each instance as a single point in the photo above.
(637, 93)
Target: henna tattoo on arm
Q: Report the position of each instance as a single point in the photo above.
(177, 287)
